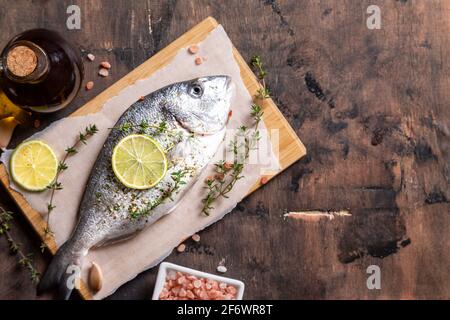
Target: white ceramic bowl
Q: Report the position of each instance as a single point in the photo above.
(165, 267)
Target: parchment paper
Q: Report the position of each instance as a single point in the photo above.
(122, 261)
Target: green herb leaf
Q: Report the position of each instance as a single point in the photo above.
(228, 174)
(89, 131)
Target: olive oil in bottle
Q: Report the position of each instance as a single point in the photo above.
(40, 71)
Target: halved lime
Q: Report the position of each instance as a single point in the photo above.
(33, 165)
(139, 162)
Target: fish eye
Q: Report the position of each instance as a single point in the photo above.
(196, 90)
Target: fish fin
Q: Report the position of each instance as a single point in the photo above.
(107, 242)
(63, 271)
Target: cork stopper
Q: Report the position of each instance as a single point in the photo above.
(21, 61)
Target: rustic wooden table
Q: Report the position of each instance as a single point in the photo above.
(371, 107)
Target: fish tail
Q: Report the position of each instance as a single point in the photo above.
(63, 272)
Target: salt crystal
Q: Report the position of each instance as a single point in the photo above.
(221, 269)
(182, 293)
(171, 275)
(231, 290)
(189, 294)
(106, 65)
(193, 49)
(198, 61)
(89, 85)
(103, 72)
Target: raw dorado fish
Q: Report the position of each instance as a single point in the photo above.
(195, 114)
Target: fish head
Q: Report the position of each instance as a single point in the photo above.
(202, 105)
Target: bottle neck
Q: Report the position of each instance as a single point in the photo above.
(25, 62)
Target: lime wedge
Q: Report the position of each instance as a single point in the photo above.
(139, 162)
(33, 165)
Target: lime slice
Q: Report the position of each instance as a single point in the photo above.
(139, 162)
(33, 165)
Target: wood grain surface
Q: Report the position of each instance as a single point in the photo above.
(371, 107)
(289, 148)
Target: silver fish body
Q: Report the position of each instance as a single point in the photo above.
(188, 119)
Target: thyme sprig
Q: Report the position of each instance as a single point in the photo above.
(62, 166)
(263, 92)
(144, 126)
(24, 260)
(178, 181)
(228, 174)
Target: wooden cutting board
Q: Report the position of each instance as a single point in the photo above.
(291, 148)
